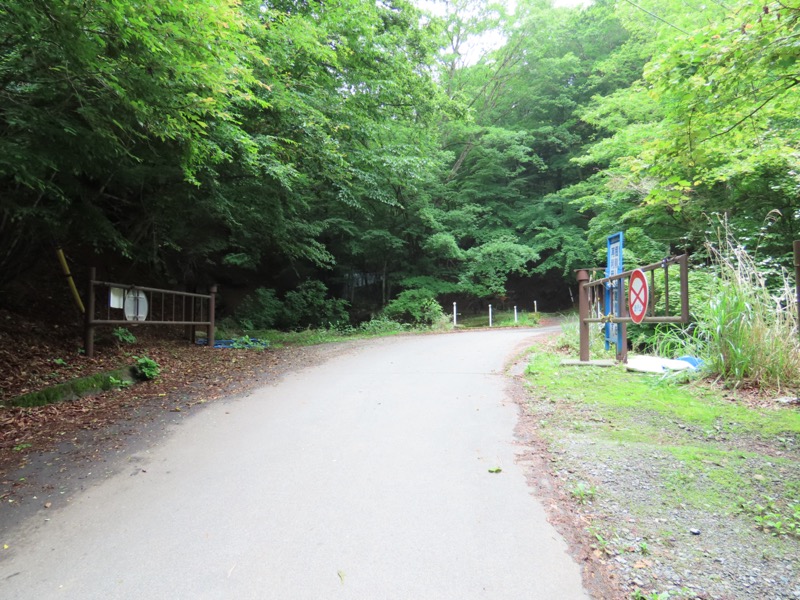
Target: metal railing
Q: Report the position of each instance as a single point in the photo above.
(164, 307)
(590, 294)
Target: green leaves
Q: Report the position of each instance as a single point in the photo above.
(489, 265)
(367, 145)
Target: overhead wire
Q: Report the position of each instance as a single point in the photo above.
(655, 16)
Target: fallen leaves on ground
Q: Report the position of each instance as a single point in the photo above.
(190, 375)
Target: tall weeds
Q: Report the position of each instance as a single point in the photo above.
(744, 331)
(569, 340)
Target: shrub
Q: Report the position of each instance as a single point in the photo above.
(308, 306)
(260, 310)
(124, 335)
(145, 368)
(380, 325)
(246, 342)
(417, 306)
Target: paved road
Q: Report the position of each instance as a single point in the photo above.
(364, 478)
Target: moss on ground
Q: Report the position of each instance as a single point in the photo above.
(76, 388)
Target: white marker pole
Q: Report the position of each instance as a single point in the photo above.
(535, 307)
(490, 315)
(455, 320)
(515, 315)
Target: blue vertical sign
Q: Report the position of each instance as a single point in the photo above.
(613, 289)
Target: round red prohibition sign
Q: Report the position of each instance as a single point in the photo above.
(638, 296)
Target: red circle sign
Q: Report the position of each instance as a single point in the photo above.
(638, 296)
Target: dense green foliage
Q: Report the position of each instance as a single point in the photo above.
(335, 156)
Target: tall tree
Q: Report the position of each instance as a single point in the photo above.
(102, 98)
(710, 129)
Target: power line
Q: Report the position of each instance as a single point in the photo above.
(644, 10)
(717, 2)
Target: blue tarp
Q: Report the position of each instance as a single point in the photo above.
(238, 343)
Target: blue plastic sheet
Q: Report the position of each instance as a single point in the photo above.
(254, 343)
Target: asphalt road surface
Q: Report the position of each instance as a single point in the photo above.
(367, 477)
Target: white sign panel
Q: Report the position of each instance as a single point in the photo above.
(135, 306)
(116, 297)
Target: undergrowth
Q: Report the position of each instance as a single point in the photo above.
(569, 340)
(744, 329)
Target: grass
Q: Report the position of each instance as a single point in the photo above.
(613, 392)
(375, 328)
(305, 337)
(500, 318)
(744, 326)
(311, 337)
(709, 452)
(569, 340)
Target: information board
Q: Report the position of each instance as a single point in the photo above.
(613, 289)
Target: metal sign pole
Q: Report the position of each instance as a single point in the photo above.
(622, 328)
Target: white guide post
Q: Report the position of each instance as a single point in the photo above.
(455, 319)
(490, 315)
(515, 315)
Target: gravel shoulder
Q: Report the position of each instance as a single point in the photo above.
(664, 504)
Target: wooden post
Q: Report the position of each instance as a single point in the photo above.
(88, 337)
(684, 264)
(583, 314)
(193, 317)
(211, 307)
(797, 279)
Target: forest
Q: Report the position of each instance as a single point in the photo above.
(358, 153)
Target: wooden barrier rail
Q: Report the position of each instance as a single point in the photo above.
(174, 308)
(588, 295)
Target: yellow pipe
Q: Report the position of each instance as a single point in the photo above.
(62, 259)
